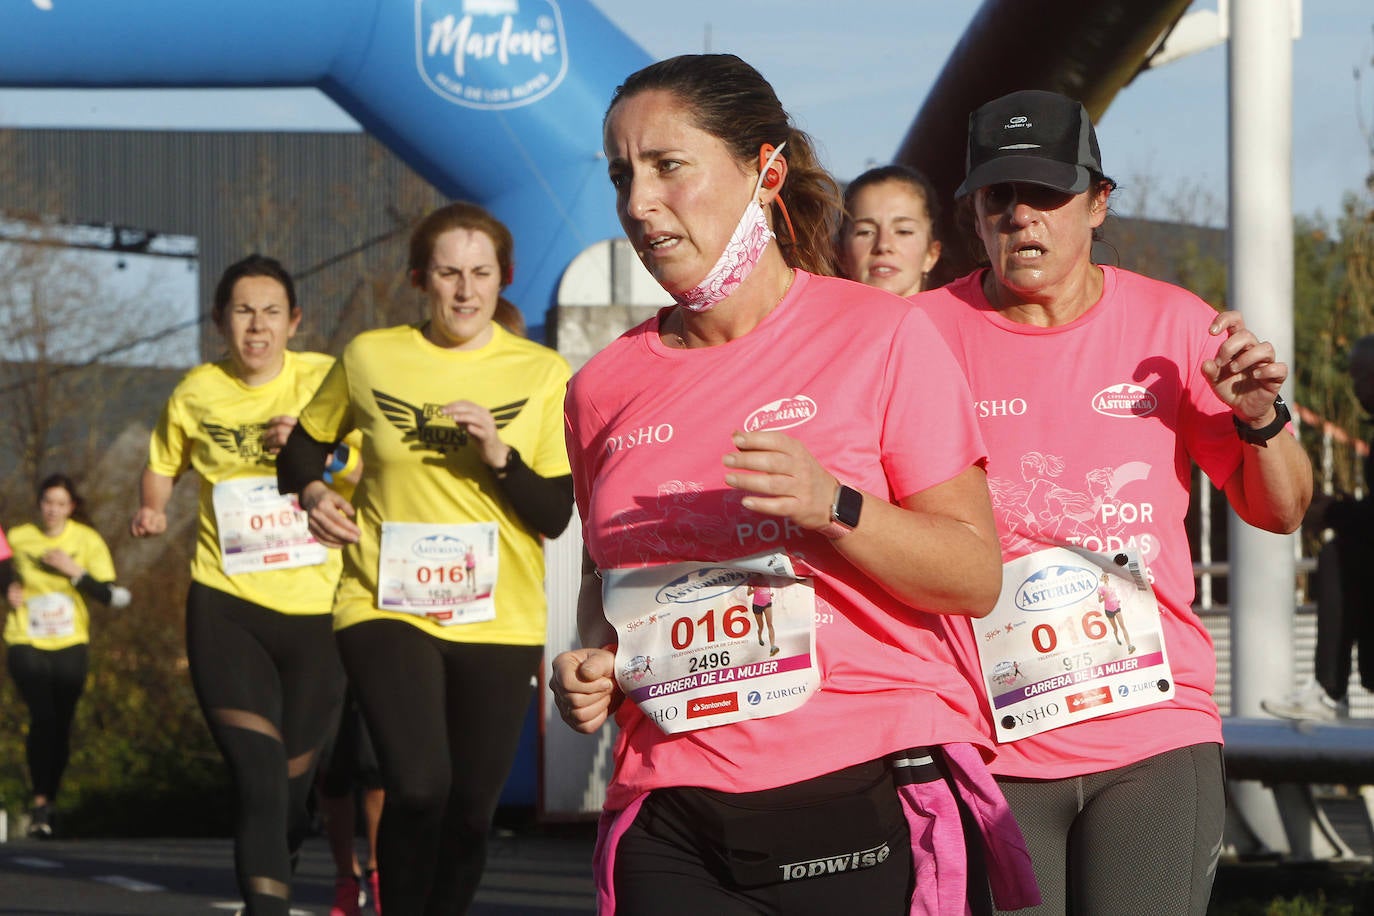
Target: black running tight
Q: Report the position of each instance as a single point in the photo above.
(50, 682)
(445, 718)
(270, 686)
(1139, 840)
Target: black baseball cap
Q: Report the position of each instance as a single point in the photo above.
(1032, 136)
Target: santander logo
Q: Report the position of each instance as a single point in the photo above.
(490, 54)
(784, 413)
(1125, 400)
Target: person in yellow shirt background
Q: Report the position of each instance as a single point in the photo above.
(59, 564)
(462, 441)
(259, 640)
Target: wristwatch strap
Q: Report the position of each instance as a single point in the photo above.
(1262, 435)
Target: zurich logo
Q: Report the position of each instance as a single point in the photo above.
(490, 54)
(1125, 400)
(1055, 587)
(701, 585)
(439, 547)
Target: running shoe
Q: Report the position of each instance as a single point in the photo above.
(1309, 702)
(348, 897)
(40, 822)
(374, 887)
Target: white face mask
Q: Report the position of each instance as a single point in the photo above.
(747, 244)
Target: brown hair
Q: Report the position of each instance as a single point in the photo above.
(731, 101)
(459, 215)
(510, 318)
(63, 482)
(255, 265)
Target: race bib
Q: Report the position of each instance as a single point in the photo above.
(51, 615)
(697, 650)
(444, 572)
(261, 529)
(1075, 635)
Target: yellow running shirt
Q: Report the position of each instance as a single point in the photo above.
(214, 423)
(54, 614)
(419, 468)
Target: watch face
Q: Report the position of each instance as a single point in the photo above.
(848, 505)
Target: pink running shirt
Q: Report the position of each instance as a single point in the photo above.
(864, 381)
(1092, 429)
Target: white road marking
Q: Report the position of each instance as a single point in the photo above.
(130, 884)
(35, 862)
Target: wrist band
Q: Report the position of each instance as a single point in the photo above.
(1252, 436)
(513, 462)
(338, 460)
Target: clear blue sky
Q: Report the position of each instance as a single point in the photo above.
(855, 83)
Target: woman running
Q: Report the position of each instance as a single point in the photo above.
(776, 422)
(1109, 599)
(888, 238)
(1085, 373)
(258, 629)
(462, 440)
(59, 563)
(761, 597)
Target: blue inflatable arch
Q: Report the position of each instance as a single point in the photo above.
(494, 101)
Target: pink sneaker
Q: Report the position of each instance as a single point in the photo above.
(374, 887)
(348, 897)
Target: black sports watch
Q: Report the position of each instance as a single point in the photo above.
(844, 512)
(1262, 435)
(513, 461)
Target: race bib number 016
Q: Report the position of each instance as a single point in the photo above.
(703, 645)
(261, 529)
(444, 572)
(1074, 636)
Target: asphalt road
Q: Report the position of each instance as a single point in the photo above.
(532, 872)
(544, 872)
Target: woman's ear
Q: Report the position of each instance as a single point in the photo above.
(774, 174)
(932, 258)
